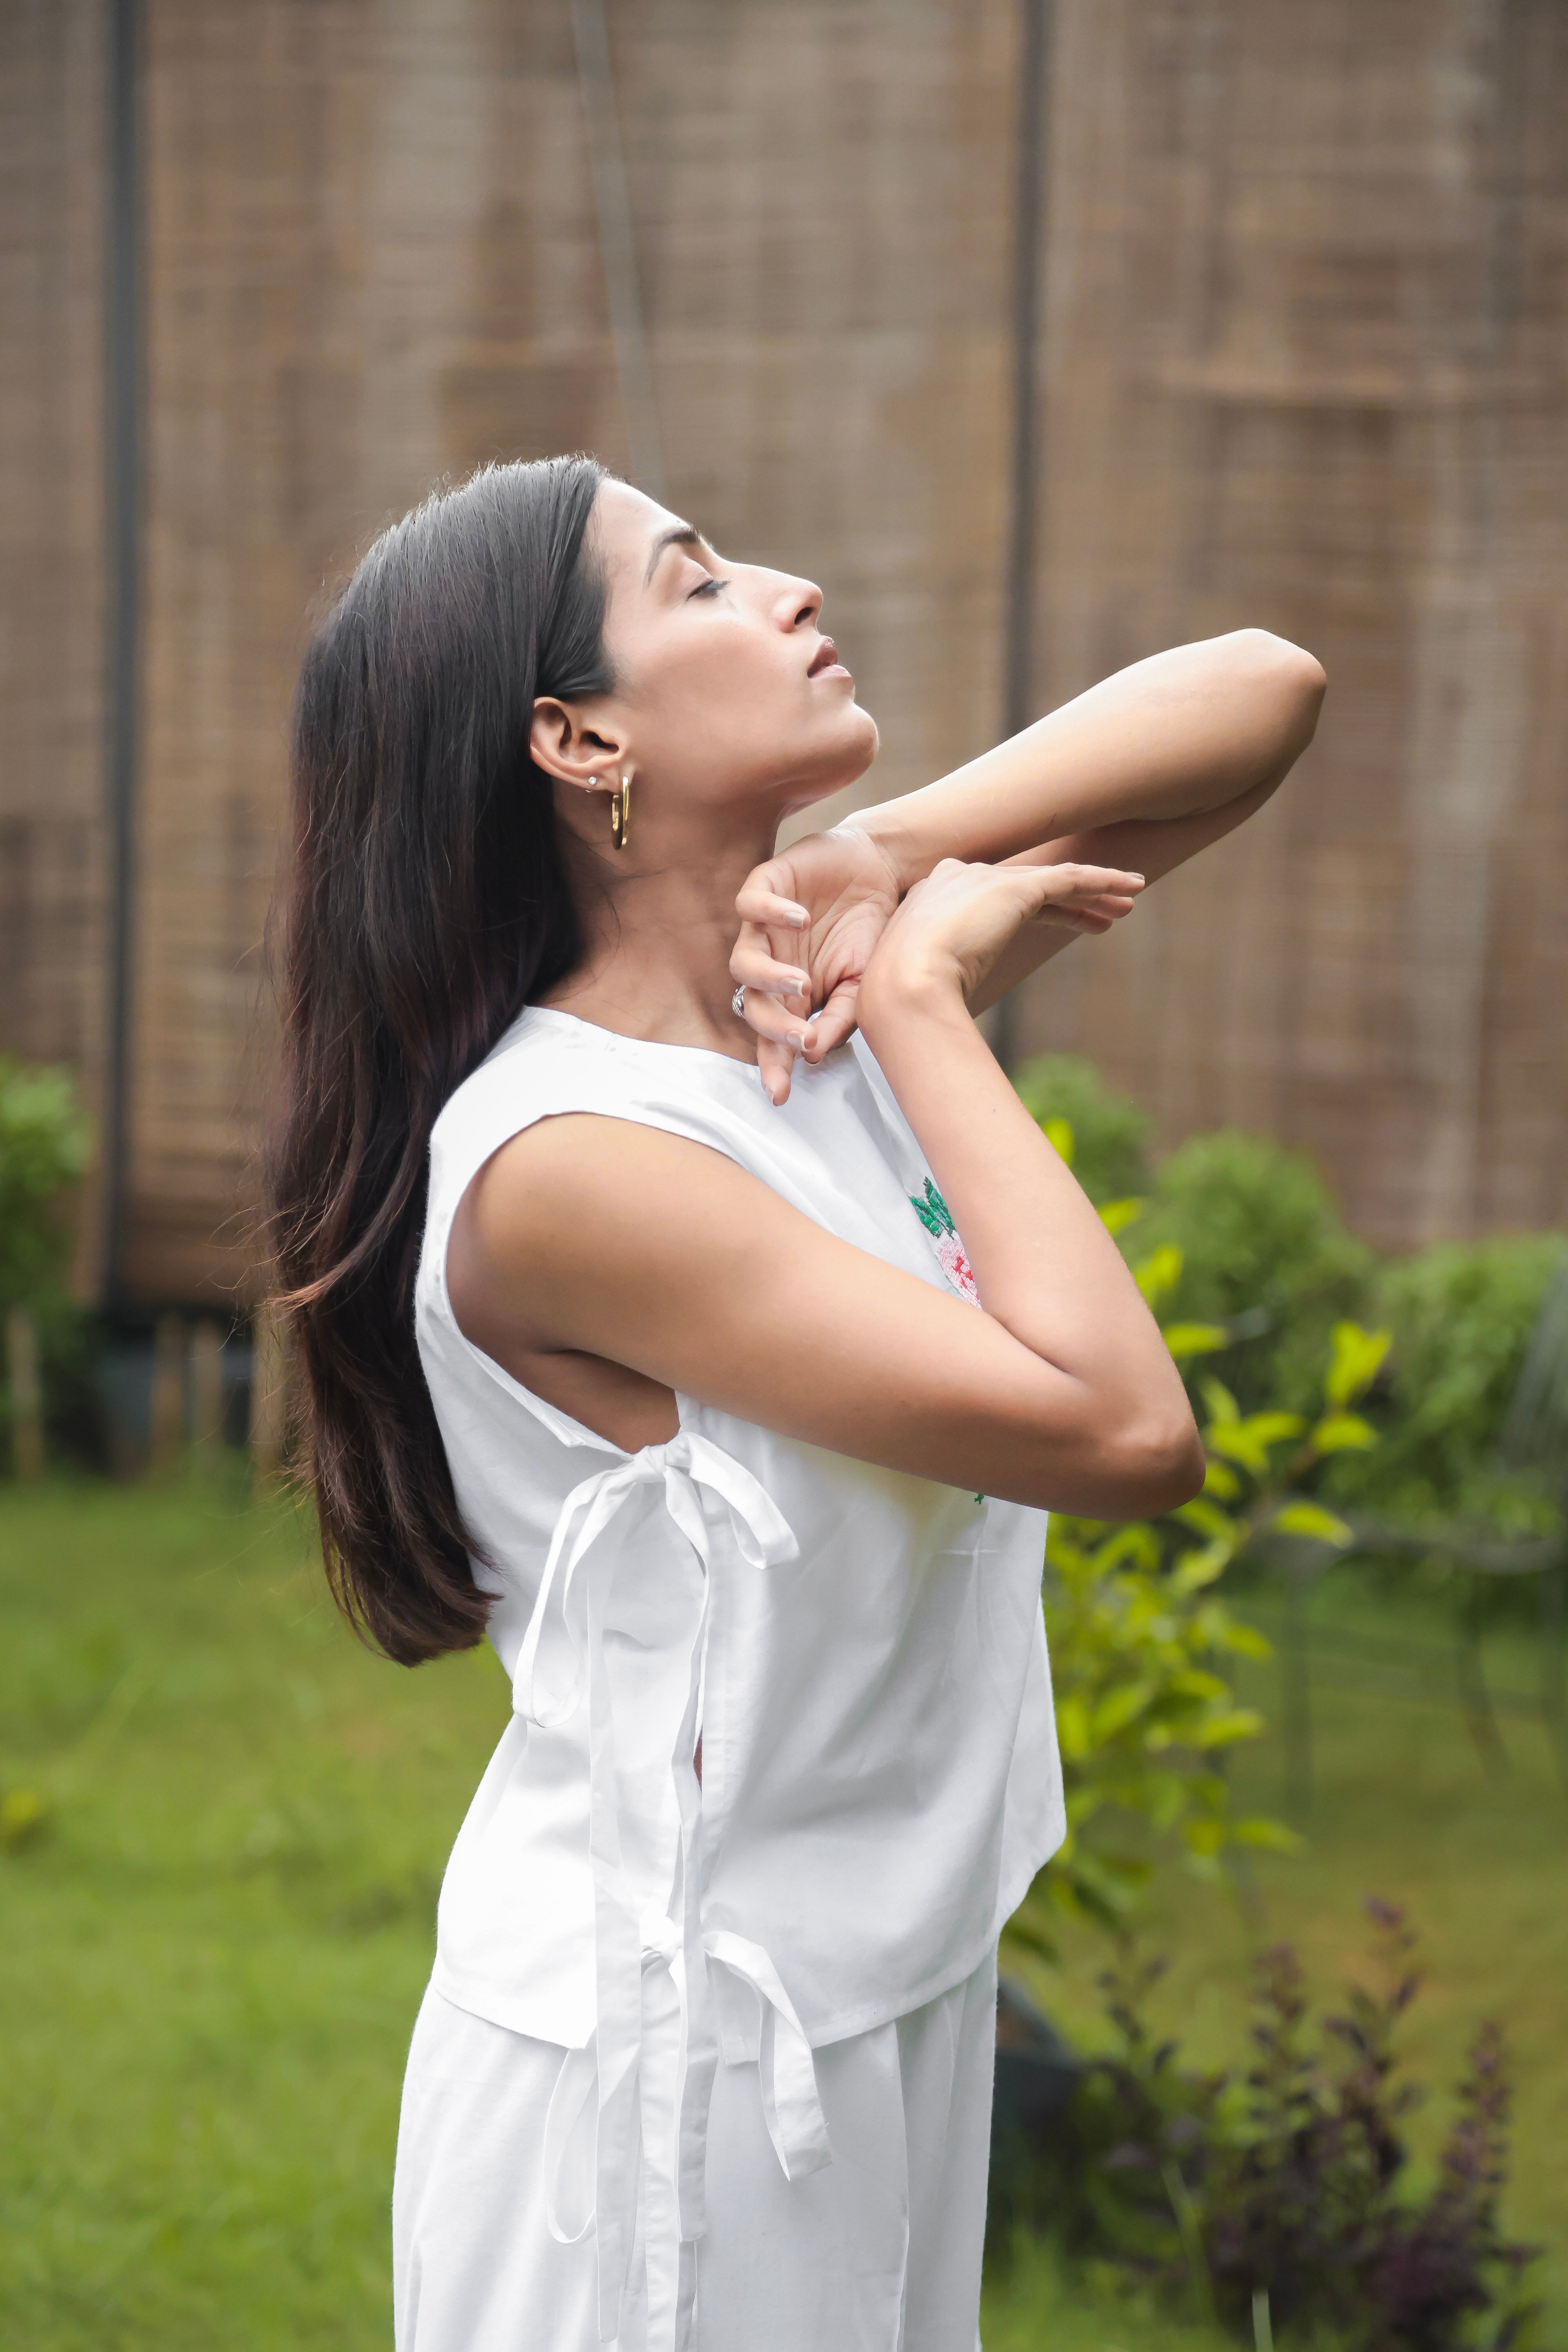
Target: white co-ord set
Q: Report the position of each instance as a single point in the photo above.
(706, 2067)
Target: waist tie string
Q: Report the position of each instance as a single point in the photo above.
(644, 2078)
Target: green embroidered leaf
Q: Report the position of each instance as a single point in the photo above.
(934, 1212)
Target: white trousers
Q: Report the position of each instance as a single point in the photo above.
(879, 2251)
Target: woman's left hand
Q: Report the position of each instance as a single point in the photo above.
(817, 910)
(816, 913)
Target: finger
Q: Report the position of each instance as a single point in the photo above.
(1067, 902)
(1087, 881)
(1113, 909)
(769, 1018)
(837, 1021)
(757, 902)
(1072, 918)
(753, 966)
(775, 1064)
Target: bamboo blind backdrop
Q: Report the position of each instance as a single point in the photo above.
(1301, 359)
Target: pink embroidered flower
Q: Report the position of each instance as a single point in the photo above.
(937, 1218)
(956, 1266)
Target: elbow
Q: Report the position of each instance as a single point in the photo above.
(1293, 681)
(1152, 1467)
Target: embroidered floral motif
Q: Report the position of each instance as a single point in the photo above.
(937, 1218)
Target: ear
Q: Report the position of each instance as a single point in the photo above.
(564, 745)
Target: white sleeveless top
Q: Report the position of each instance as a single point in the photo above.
(862, 1652)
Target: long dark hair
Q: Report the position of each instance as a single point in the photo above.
(427, 903)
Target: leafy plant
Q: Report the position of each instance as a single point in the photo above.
(1285, 2190)
(45, 1140)
(1109, 1134)
(1461, 1314)
(1140, 1637)
(1263, 1253)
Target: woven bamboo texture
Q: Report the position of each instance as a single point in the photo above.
(1303, 363)
(52, 834)
(1305, 351)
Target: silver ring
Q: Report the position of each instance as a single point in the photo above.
(738, 1003)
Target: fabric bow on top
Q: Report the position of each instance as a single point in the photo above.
(635, 1645)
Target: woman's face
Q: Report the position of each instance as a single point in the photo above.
(726, 691)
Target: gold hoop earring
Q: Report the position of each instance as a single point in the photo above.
(621, 813)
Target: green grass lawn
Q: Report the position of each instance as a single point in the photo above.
(213, 1946)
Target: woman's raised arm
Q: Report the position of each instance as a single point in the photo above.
(1185, 733)
(1140, 772)
(1060, 1391)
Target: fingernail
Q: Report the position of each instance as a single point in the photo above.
(799, 1039)
(797, 916)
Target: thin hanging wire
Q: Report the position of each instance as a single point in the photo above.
(616, 248)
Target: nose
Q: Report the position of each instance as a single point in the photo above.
(797, 604)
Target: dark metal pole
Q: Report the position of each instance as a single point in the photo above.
(122, 504)
(617, 246)
(1028, 256)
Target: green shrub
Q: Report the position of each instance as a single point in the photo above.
(1263, 1246)
(1461, 1314)
(45, 1140)
(1140, 1640)
(1283, 2192)
(1110, 1152)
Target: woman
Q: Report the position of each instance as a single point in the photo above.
(703, 1318)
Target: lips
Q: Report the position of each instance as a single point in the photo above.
(825, 661)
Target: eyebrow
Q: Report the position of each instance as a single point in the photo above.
(681, 534)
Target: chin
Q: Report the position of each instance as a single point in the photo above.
(817, 776)
(861, 745)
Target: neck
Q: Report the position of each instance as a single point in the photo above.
(658, 922)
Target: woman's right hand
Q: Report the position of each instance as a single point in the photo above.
(951, 928)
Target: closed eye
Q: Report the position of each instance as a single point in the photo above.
(710, 587)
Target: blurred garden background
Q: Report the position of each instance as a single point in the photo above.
(1044, 333)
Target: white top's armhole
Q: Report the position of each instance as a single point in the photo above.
(475, 1130)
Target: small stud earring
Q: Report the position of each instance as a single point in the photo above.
(621, 813)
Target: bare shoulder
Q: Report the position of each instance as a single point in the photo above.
(612, 1266)
(581, 1209)
(564, 1174)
